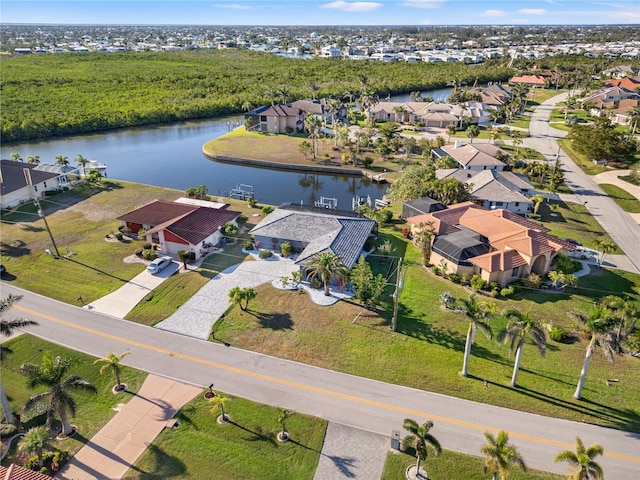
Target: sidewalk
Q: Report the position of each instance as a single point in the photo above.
(117, 446)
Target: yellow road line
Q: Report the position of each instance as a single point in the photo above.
(310, 388)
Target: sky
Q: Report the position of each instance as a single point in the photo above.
(314, 12)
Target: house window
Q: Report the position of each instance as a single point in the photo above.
(263, 118)
(499, 204)
(35, 187)
(514, 272)
(517, 204)
(388, 116)
(45, 184)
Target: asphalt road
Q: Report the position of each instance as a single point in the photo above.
(341, 398)
(618, 224)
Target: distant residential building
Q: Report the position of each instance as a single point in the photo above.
(531, 80)
(44, 178)
(481, 156)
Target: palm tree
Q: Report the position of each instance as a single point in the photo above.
(556, 277)
(57, 398)
(7, 327)
(634, 117)
(83, 163)
(420, 439)
(283, 414)
(582, 460)
(34, 442)
(537, 200)
(604, 247)
(423, 240)
(472, 132)
(475, 312)
(451, 129)
(236, 296)
(368, 98)
(219, 402)
(112, 363)
(312, 124)
(415, 96)
(15, 157)
(33, 159)
(600, 324)
(247, 106)
(519, 326)
(248, 294)
(326, 265)
(499, 455)
(62, 160)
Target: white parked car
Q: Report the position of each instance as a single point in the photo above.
(583, 253)
(159, 264)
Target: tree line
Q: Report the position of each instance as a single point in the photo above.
(50, 95)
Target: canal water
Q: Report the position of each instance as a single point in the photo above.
(171, 156)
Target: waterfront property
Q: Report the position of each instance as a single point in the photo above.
(495, 244)
(481, 156)
(312, 231)
(186, 224)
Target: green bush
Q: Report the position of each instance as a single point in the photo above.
(447, 300)
(315, 283)
(436, 270)
(507, 292)
(248, 245)
(149, 255)
(533, 280)
(384, 216)
(266, 210)
(286, 249)
(477, 283)
(557, 334)
(367, 161)
(454, 277)
(119, 236)
(265, 254)
(147, 246)
(138, 252)
(7, 430)
(121, 228)
(252, 202)
(242, 219)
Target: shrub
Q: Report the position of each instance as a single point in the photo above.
(507, 292)
(477, 283)
(119, 236)
(316, 283)
(454, 277)
(149, 255)
(494, 286)
(147, 246)
(565, 264)
(126, 231)
(248, 245)
(384, 216)
(466, 278)
(230, 229)
(252, 202)
(265, 254)
(533, 280)
(447, 300)
(138, 252)
(141, 233)
(266, 210)
(242, 219)
(436, 270)
(367, 161)
(406, 233)
(557, 334)
(286, 249)
(121, 228)
(7, 430)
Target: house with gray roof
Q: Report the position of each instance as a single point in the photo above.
(312, 231)
(494, 189)
(481, 156)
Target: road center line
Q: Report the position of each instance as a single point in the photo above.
(310, 388)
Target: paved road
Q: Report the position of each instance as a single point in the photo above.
(622, 228)
(344, 399)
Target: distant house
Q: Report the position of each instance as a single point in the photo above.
(420, 206)
(494, 95)
(480, 156)
(496, 244)
(531, 80)
(494, 189)
(610, 99)
(288, 117)
(312, 231)
(44, 178)
(620, 71)
(431, 113)
(185, 224)
(629, 83)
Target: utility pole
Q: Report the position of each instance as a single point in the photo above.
(27, 177)
(396, 294)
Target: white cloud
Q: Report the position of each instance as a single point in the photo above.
(426, 22)
(633, 16)
(352, 6)
(533, 11)
(493, 13)
(234, 6)
(423, 3)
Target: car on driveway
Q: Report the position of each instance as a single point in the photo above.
(159, 264)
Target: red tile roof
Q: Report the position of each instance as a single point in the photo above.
(16, 472)
(157, 212)
(196, 226)
(529, 80)
(499, 261)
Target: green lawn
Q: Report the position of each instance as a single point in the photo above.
(581, 160)
(426, 352)
(453, 465)
(624, 199)
(93, 411)
(245, 448)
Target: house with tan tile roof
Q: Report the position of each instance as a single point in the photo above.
(531, 80)
(181, 225)
(481, 156)
(498, 245)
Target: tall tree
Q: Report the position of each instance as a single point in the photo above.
(326, 265)
(7, 328)
(500, 455)
(62, 160)
(582, 460)
(82, 161)
(421, 440)
(604, 247)
(52, 374)
(599, 325)
(34, 442)
(236, 296)
(475, 312)
(248, 294)
(219, 404)
(472, 132)
(112, 364)
(33, 159)
(520, 325)
(424, 240)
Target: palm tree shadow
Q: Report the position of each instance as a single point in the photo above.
(163, 465)
(275, 321)
(344, 464)
(260, 435)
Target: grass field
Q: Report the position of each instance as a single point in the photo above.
(624, 199)
(244, 448)
(453, 465)
(581, 160)
(93, 411)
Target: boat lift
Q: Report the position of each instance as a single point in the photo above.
(241, 192)
(327, 202)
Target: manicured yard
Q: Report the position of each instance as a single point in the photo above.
(93, 411)
(426, 351)
(624, 199)
(581, 160)
(245, 448)
(453, 465)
